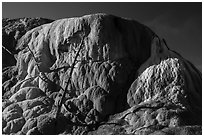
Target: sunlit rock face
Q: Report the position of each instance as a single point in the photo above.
(167, 79)
(124, 75)
(166, 75)
(109, 56)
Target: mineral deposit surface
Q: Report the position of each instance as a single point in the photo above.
(96, 74)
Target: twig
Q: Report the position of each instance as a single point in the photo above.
(69, 79)
(7, 50)
(44, 78)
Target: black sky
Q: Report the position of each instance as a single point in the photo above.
(179, 23)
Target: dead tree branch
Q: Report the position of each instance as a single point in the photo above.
(69, 79)
(42, 76)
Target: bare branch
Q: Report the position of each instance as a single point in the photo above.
(7, 50)
(69, 79)
(42, 76)
(58, 69)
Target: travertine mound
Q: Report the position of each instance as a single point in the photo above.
(107, 58)
(125, 81)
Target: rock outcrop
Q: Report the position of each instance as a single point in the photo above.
(164, 96)
(107, 59)
(12, 31)
(126, 81)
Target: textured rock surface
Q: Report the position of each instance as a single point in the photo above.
(164, 97)
(12, 31)
(169, 79)
(126, 81)
(105, 61)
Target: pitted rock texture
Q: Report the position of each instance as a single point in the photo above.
(23, 109)
(126, 81)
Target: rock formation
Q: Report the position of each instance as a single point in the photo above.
(125, 81)
(12, 31)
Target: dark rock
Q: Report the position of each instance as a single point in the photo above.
(109, 130)
(8, 58)
(46, 125)
(30, 123)
(61, 123)
(183, 130)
